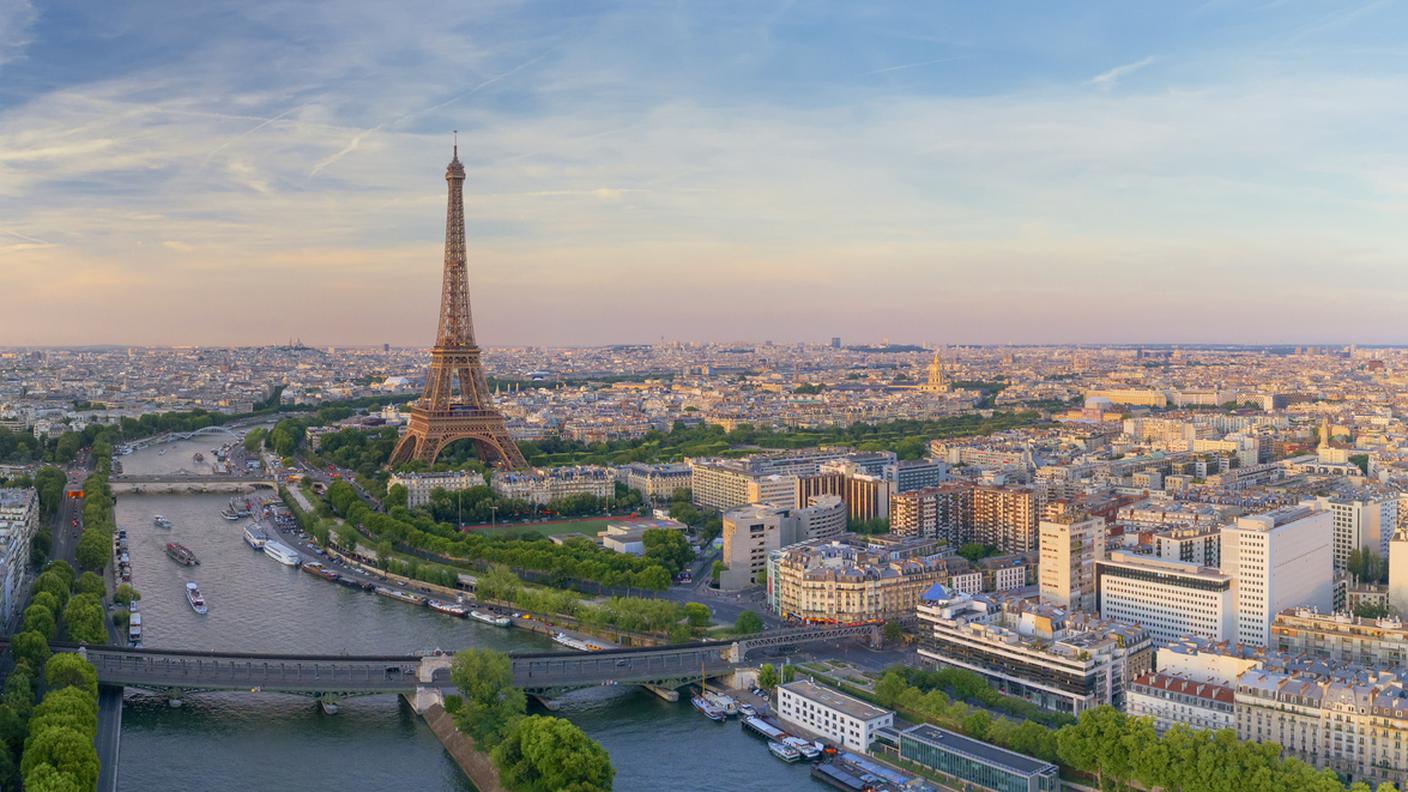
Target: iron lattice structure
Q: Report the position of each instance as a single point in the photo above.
(456, 403)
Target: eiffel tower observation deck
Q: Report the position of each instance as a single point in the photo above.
(456, 403)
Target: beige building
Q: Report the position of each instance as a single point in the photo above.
(420, 485)
(724, 484)
(841, 582)
(1340, 638)
(751, 532)
(545, 485)
(656, 483)
(1070, 546)
(1005, 517)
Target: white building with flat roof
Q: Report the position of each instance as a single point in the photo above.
(842, 719)
(1278, 560)
(1170, 599)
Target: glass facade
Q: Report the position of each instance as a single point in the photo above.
(977, 763)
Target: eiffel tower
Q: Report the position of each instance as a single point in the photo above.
(456, 404)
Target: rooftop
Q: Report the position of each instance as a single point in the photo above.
(991, 754)
(840, 702)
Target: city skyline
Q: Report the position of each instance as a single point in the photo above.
(224, 175)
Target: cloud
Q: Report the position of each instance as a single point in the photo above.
(904, 66)
(1108, 80)
(16, 18)
(177, 245)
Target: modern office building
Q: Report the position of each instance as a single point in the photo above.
(1071, 543)
(834, 716)
(1170, 700)
(19, 521)
(751, 532)
(627, 535)
(1365, 520)
(420, 485)
(907, 475)
(1201, 545)
(1067, 661)
(1170, 599)
(976, 763)
(1278, 560)
(846, 581)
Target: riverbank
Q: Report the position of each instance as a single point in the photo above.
(476, 764)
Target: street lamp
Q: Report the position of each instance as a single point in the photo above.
(493, 515)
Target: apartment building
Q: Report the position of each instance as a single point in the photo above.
(656, 483)
(1067, 661)
(419, 486)
(751, 532)
(1341, 638)
(1005, 517)
(19, 521)
(1169, 700)
(545, 485)
(843, 581)
(1071, 543)
(907, 475)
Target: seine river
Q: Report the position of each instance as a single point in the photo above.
(243, 741)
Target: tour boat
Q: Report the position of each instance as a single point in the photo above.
(709, 710)
(281, 552)
(134, 629)
(489, 617)
(254, 536)
(237, 510)
(397, 594)
(569, 641)
(181, 554)
(784, 752)
(195, 599)
(316, 568)
(448, 608)
(161, 521)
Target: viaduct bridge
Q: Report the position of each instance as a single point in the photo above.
(168, 437)
(190, 482)
(328, 678)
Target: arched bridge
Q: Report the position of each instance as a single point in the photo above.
(173, 436)
(190, 482)
(320, 676)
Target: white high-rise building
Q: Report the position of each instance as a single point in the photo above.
(1398, 571)
(1070, 546)
(1278, 560)
(1367, 520)
(1170, 599)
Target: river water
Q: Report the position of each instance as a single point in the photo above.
(224, 742)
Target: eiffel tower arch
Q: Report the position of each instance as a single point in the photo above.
(456, 403)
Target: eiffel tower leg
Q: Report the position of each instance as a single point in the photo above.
(405, 449)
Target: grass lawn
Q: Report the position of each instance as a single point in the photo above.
(587, 527)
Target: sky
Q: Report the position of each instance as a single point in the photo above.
(246, 171)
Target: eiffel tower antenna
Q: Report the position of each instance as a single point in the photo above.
(456, 403)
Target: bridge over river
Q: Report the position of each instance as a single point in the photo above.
(329, 677)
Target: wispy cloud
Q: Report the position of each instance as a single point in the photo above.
(1108, 80)
(16, 17)
(1334, 20)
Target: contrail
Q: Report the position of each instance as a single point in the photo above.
(245, 134)
(904, 66)
(26, 238)
(357, 139)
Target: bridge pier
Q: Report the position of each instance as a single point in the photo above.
(327, 702)
(668, 694)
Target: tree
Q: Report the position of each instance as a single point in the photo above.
(254, 439)
(41, 620)
(668, 548)
(90, 583)
(125, 594)
(47, 778)
(68, 751)
(397, 495)
(890, 688)
(698, 614)
(893, 631)
(347, 537)
(491, 703)
(65, 670)
(748, 623)
(92, 552)
(767, 676)
(31, 647)
(789, 673)
(53, 583)
(546, 754)
(716, 570)
(84, 620)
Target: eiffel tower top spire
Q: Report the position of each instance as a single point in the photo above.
(456, 322)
